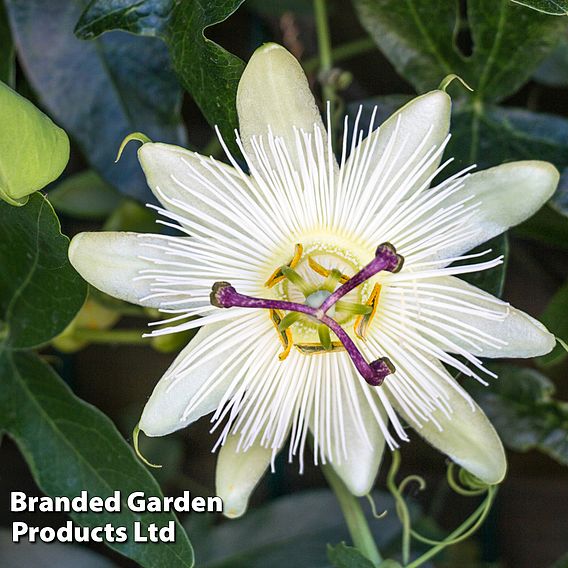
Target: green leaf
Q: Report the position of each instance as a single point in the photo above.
(7, 53)
(141, 17)
(343, 556)
(33, 150)
(547, 226)
(554, 318)
(419, 38)
(40, 292)
(70, 446)
(85, 196)
(208, 72)
(489, 135)
(552, 7)
(521, 406)
(416, 35)
(99, 91)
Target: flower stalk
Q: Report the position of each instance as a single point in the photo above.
(354, 517)
(324, 47)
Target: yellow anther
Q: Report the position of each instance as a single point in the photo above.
(363, 322)
(323, 271)
(277, 275)
(285, 336)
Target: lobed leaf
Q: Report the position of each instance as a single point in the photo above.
(420, 38)
(491, 135)
(70, 446)
(40, 292)
(206, 70)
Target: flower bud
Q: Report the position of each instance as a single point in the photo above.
(91, 316)
(33, 150)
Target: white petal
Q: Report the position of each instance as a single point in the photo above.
(467, 437)
(274, 93)
(419, 126)
(111, 262)
(507, 195)
(501, 330)
(196, 377)
(200, 190)
(358, 470)
(238, 473)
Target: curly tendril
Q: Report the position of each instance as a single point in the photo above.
(462, 483)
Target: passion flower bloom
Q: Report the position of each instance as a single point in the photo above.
(326, 293)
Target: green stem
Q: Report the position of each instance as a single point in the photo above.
(122, 336)
(354, 517)
(342, 52)
(324, 48)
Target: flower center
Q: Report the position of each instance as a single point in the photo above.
(322, 303)
(317, 298)
(310, 278)
(319, 273)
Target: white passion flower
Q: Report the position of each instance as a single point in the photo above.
(327, 293)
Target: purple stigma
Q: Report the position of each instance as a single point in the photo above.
(224, 295)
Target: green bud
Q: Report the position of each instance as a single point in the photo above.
(91, 316)
(33, 150)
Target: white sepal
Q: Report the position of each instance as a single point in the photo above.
(112, 261)
(466, 436)
(238, 473)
